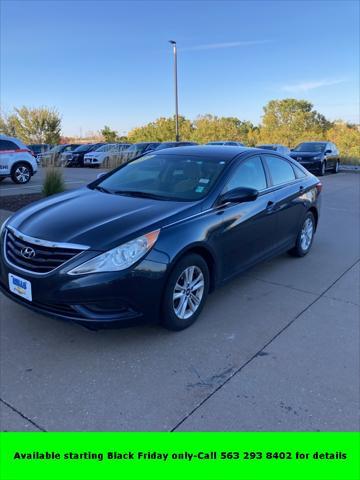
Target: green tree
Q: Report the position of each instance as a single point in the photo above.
(253, 137)
(290, 121)
(33, 125)
(347, 139)
(109, 135)
(161, 130)
(209, 128)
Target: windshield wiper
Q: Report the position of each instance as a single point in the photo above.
(101, 189)
(136, 193)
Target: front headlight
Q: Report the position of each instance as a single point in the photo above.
(317, 158)
(118, 258)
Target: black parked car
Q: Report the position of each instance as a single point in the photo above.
(39, 148)
(317, 156)
(138, 149)
(76, 159)
(152, 238)
(53, 155)
(174, 144)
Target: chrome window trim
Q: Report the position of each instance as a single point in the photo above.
(218, 207)
(46, 243)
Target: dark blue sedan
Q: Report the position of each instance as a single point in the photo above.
(151, 239)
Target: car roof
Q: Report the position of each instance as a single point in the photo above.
(270, 145)
(226, 153)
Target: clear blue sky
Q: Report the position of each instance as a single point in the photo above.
(108, 62)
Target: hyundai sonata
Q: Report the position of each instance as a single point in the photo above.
(152, 238)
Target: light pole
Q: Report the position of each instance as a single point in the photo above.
(173, 43)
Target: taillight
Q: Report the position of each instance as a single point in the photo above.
(319, 187)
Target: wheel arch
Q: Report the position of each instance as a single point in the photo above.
(204, 252)
(315, 212)
(18, 162)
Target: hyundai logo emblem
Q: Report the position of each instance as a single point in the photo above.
(28, 252)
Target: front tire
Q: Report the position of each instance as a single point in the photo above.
(305, 237)
(186, 292)
(322, 169)
(21, 173)
(336, 168)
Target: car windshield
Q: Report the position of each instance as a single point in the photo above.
(310, 147)
(82, 148)
(36, 148)
(105, 148)
(165, 177)
(137, 146)
(57, 148)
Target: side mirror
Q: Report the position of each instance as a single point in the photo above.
(239, 195)
(99, 175)
(327, 151)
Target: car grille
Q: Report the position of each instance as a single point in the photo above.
(20, 253)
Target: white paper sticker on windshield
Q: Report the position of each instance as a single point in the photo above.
(204, 180)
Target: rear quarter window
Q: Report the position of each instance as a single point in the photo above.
(298, 172)
(280, 170)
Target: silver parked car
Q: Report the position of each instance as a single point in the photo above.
(275, 147)
(231, 143)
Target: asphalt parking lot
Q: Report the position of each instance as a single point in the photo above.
(275, 349)
(73, 177)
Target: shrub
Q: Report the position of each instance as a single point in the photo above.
(53, 182)
(350, 160)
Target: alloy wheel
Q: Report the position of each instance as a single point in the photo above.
(307, 233)
(188, 292)
(22, 174)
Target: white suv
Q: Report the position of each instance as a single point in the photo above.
(16, 160)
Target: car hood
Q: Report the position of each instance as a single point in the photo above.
(305, 155)
(98, 220)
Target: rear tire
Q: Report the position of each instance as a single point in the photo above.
(186, 292)
(21, 173)
(305, 237)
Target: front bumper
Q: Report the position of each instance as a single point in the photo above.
(311, 165)
(117, 298)
(91, 161)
